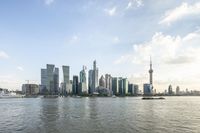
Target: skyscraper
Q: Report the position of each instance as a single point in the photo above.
(95, 75)
(66, 74)
(50, 79)
(123, 86)
(66, 81)
(115, 85)
(147, 89)
(56, 80)
(75, 86)
(83, 83)
(102, 81)
(108, 81)
(90, 81)
(93, 78)
(43, 86)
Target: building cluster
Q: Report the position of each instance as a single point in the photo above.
(80, 85)
(179, 92)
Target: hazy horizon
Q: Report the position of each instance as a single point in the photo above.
(120, 35)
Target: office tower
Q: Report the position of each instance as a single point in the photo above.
(170, 91)
(44, 77)
(43, 81)
(115, 85)
(147, 89)
(131, 89)
(177, 90)
(93, 79)
(108, 81)
(75, 87)
(50, 78)
(125, 85)
(66, 81)
(136, 89)
(95, 76)
(56, 80)
(83, 83)
(102, 82)
(151, 73)
(66, 74)
(120, 83)
(90, 81)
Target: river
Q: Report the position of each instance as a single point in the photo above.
(100, 115)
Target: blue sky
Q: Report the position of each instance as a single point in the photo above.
(119, 34)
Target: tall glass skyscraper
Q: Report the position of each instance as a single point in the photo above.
(115, 85)
(75, 87)
(83, 83)
(66, 80)
(93, 79)
(50, 79)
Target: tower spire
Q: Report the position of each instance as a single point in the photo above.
(151, 72)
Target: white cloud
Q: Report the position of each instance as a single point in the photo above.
(184, 10)
(3, 55)
(74, 39)
(111, 12)
(175, 59)
(116, 40)
(48, 2)
(134, 3)
(20, 68)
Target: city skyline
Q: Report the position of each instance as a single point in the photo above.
(75, 33)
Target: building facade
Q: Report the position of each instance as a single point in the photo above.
(30, 89)
(115, 85)
(83, 81)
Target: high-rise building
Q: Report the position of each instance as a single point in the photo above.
(136, 89)
(108, 81)
(66, 80)
(43, 86)
(50, 79)
(115, 85)
(90, 81)
(147, 89)
(170, 91)
(93, 79)
(123, 86)
(95, 76)
(177, 90)
(83, 83)
(75, 87)
(131, 89)
(56, 80)
(102, 82)
(66, 74)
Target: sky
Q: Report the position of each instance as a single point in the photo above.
(120, 35)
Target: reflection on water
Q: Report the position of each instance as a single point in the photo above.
(88, 115)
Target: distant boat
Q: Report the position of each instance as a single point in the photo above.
(50, 96)
(153, 98)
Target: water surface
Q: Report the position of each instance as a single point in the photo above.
(100, 115)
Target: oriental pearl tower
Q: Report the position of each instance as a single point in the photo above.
(151, 73)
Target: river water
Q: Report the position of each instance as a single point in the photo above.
(100, 115)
